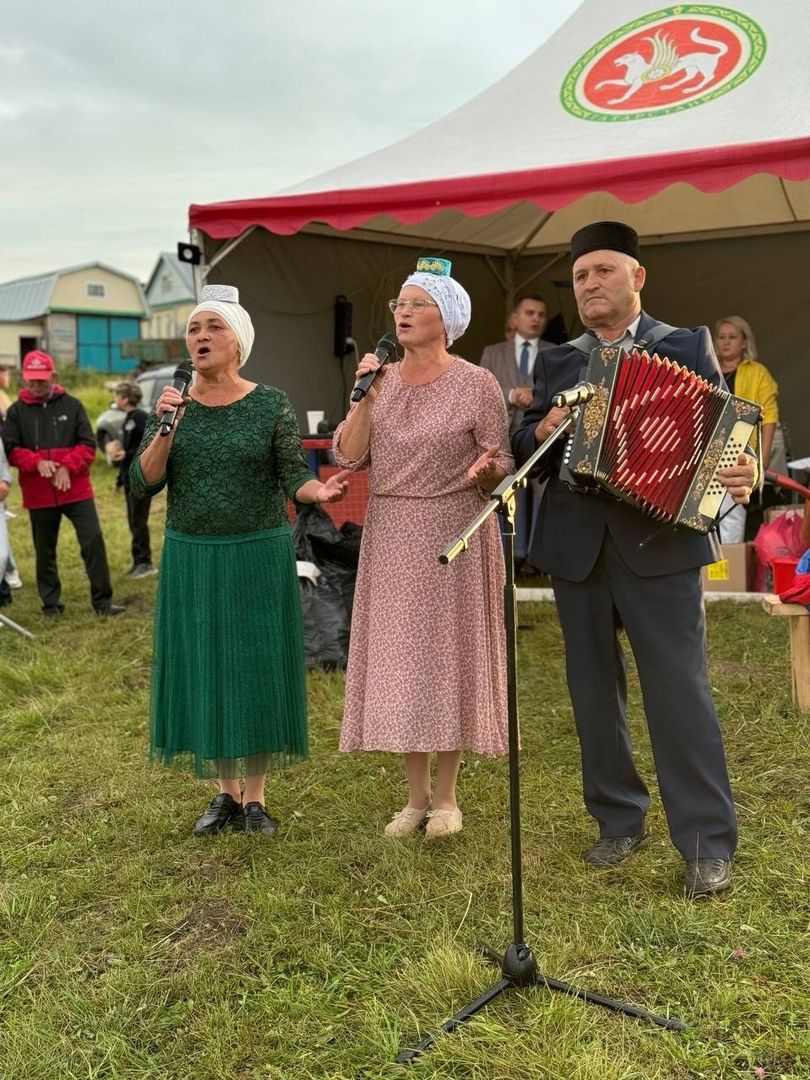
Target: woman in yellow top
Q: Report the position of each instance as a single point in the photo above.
(747, 378)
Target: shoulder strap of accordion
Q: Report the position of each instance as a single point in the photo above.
(654, 335)
(585, 343)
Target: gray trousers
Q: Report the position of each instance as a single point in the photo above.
(665, 624)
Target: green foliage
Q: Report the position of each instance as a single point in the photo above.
(130, 950)
(93, 387)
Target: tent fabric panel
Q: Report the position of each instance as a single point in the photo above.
(761, 201)
(525, 121)
(289, 284)
(630, 179)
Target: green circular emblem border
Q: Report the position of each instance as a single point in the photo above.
(754, 32)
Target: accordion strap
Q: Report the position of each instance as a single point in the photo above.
(654, 335)
(588, 341)
(585, 343)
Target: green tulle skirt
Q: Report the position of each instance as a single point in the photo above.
(228, 673)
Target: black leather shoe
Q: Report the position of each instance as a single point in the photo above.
(222, 812)
(613, 850)
(111, 609)
(702, 877)
(255, 819)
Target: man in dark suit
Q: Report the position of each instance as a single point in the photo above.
(613, 567)
(512, 362)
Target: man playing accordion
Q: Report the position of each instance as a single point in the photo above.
(612, 567)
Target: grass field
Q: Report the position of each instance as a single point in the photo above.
(129, 950)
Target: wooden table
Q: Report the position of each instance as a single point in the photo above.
(799, 627)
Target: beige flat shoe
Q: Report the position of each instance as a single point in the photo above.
(443, 823)
(407, 821)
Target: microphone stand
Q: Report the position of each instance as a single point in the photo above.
(518, 964)
(5, 621)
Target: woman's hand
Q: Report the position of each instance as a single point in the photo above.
(369, 363)
(484, 472)
(483, 468)
(334, 489)
(169, 400)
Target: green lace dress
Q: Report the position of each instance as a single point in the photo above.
(228, 672)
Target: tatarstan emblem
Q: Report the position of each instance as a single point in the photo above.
(672, 59)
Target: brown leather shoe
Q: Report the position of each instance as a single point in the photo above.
(703, 877)
(613, 850)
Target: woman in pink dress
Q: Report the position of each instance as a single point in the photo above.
(427, 658)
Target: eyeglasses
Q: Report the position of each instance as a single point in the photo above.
(414, 305)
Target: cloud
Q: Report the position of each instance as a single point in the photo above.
(113, 119)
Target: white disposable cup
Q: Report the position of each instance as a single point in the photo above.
(314, 417)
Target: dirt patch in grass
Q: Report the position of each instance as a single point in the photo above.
(735, 669)
(211, 927)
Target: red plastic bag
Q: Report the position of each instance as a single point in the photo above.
(798, 592)
(777, 539)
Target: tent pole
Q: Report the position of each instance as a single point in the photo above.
(495, 271)
(518, 251)
(202, 269)
(546, 266)
(226, 249)
(509, 288)
(199, 270)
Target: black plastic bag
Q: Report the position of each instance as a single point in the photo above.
(327, 605)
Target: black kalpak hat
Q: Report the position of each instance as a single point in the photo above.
(605, 236)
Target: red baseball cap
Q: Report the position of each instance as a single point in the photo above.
(37, 365)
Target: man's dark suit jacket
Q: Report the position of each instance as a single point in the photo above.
(571, 525)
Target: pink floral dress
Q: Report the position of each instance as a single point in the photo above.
(427, 657)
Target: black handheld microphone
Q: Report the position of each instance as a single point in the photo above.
(180, 381)
(386, 348)
(577, 395)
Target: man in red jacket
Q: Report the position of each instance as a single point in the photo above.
(49, 439)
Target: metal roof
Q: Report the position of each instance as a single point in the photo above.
(27, 298)
(183, 270)
(30, 298)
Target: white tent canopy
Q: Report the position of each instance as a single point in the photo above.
(689, 122)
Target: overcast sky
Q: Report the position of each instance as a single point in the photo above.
(114, 117)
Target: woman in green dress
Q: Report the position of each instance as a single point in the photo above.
(228, 673)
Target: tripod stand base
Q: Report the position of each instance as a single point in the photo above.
(519, 969)
(5, 621)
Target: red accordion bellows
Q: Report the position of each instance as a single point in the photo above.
(655, 434)
(661, 418)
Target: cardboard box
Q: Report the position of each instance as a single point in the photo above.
(772, 512)
(733, 572)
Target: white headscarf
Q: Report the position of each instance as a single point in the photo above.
(224, 300)
(453, 300)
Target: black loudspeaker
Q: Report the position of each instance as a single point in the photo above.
(189, 253)
(343, 326)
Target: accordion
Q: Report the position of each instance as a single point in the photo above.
(654, 434)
